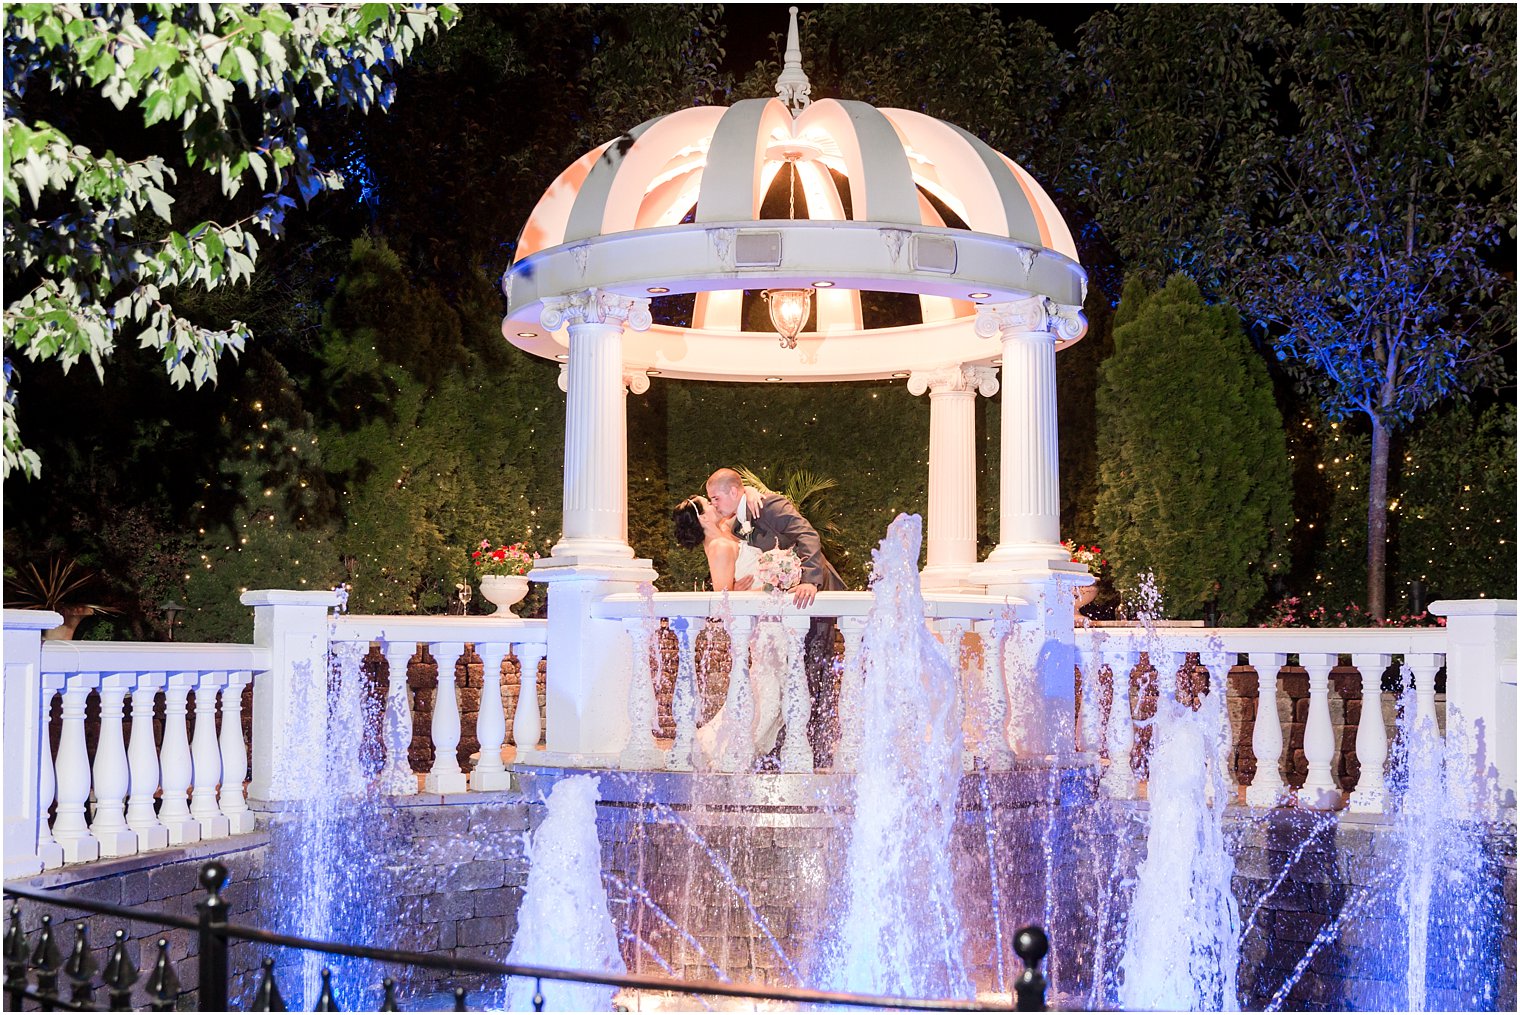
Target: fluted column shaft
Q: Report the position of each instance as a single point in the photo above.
(596, 420)
(952, 467)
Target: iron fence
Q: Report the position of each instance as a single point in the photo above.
(35, 965)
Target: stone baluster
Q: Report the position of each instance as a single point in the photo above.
(1119, 779)
(112, 778)
(397, 777)
(1217, 662)
(1371, 793)
(176, 763)
(1319, 790)
(206, 759)
(851, 694)
(1090, 663)
(142, 761)
(48, 849)
(234, 750)
(796, 702)
(641, 752)
(446, 776)
(527, 728)
(491, 728)
(993, 749)
(1167, 660)
(73, 773)
(1424, 666)
(1267, 788)
(683, 703)
(739, 703)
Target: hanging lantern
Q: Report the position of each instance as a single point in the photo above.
(789, 312)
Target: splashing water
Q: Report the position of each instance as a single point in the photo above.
(1182, 947)
(564, 920)
(900, 932)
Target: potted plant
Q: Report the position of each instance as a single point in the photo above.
(1090, 557)
(59, 587)
(502, 573)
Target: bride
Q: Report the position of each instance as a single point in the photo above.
(732, 564)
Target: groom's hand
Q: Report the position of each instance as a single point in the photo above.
(803, 595)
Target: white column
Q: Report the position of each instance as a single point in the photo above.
(1267, 789)
(293, 626)
(175, 763)
(527, 729)
(234, 751)
(26, 742)
(72, 771)
(491, 727)
(1319, 790)
(1029, 492)
(446, 775)
(1371, 736)
(951, 529)
(111, 776)
(142, 761)
(796, 701)
(206, 758)
(683, 701)
(851, 692)
(641, 752)
(596, 420)
(397, 777)
(1481, 699)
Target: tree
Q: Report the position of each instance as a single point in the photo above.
(1193, 479)
(1380, 279)
(93, 249)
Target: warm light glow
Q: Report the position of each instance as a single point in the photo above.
(825, 284)
(789, 312)
(658, 289)
(527, 334)
(979, 296)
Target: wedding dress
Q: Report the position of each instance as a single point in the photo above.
(768, 662)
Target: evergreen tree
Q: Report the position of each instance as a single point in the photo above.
(1193, 479)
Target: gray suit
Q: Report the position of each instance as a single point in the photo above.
(781, 526)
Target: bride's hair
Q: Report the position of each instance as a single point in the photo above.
(687, 525)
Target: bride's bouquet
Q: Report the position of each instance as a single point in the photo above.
(778, 570)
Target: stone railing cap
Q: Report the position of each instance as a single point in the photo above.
(289, 597)
(32, 620)
(1473, 607)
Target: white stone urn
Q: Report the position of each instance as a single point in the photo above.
(1080, 598)
(504, 590)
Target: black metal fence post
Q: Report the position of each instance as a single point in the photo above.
(213, 943)
(1030, 945)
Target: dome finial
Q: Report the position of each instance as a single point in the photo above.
(792, 86)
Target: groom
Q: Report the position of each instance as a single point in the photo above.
(772, 522)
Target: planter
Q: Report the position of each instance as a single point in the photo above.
(72, 615)
(505, 591)
(1081, 597)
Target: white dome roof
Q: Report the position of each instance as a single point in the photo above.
(892, 200)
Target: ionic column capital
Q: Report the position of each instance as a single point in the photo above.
(954, 378)
(1031, 316)
(635, 381)
(596, 306)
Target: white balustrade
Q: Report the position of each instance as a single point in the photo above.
(1119, 780)
(175, 763)
(1370, 795)
(1090, 666)
(73, 773)
(48, 846)
(1319, 790)
(234, 752)
(737, 750)
(110, 774)
(992, 746)
(396, 776)
(1424, 666)
(527, 723)
(641, 752)
(851, 693)
(206, 759)
(142, 761)
(796, 702)
(683, 702)
(1267, 788)
(491, 726)
(446, 776)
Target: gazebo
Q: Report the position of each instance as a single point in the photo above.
(678, 220)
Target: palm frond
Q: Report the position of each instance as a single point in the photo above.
(753, 479)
